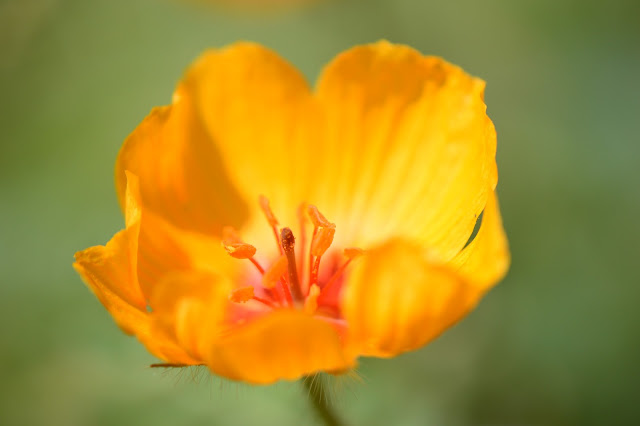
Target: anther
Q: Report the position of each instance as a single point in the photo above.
(288, 246)
(237, 248)
(318, 218)
(323, 233)
(245, 294)
(321, 241)
(241, 295)
(240, 250)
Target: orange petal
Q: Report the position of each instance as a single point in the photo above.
(101, 274)
(111, 273)
(394, 144)
(182, 177)
(409, 151)
(285, 344)
(130, 319)
(164, 346)
(164, 248)
(258, 109)
(190, 307)
(160, 247)
(486, 259)
(395, 301)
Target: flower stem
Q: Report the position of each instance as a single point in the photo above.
(317, 393)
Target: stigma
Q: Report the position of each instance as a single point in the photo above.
(293, 278)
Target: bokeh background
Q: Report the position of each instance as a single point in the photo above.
(557, 343)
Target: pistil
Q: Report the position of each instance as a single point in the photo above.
(288, 246)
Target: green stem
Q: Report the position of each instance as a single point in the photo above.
(317, 393)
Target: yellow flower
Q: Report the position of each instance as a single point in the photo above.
(223, 262)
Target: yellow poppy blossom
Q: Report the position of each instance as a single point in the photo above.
(273, 231)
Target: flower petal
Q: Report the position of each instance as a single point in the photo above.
(110, 270)
(259, 110)
(395, 301)
(392, 144)
(162, 248)
(409, 151)
(285, 344)
(130, 319)
(486, 259)
(111, 273)
(190, 307)
(182, 178)
(103, 275)
(165, 249)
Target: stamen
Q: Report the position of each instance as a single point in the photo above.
(271, 218)
(318, 218)
(321, 242)
(245, 294)
(322, 238)
(350, 253)
(353, 252)
(303, 242)
(257, 265)
(286, 292)
(275, 272)
(311, 303)
(264, 205)
(237, 248)
(288, 246)
(313, 237)
(319, 221)
(272, 277)
(241, 295)
(264, 301)
(281, 285)
(240, 250)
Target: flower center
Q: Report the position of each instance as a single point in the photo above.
(294, 278)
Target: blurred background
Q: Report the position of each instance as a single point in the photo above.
(556, 343)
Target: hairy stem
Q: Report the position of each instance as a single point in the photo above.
(317, 393)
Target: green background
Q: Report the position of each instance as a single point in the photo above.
(557, 342)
